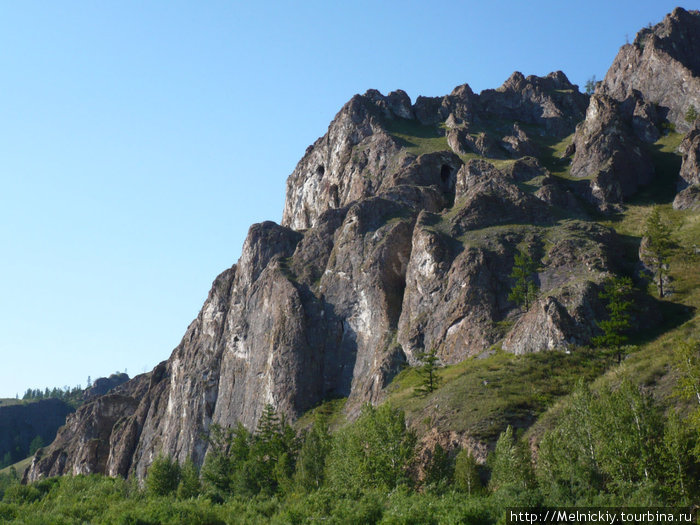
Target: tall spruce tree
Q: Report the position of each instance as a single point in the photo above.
(658, 247)
(428, 372)
(616, 293)
(524, 291)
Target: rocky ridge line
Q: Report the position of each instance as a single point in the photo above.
(383, 253)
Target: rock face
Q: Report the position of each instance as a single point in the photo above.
(690, 167)
(663, 65)
(389, 246)
(651, 85)
(609, 153)
(688, 197)
(360, 155)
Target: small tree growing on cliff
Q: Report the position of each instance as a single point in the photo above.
(525, 289)
(590, 85)
(658, 247)
(691, 115)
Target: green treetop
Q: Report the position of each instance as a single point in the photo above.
(616, 292)
(525, 289)
(428, 372)
(658, 247)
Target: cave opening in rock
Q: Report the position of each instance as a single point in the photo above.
(320, 170)
(333, 195)
(445, 172)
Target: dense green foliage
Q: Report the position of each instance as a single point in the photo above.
(610, 446)
(376, 451)
(617, 443)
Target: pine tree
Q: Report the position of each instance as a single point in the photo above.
(616, 292)
(691, 115)
(274, 451)
(590, 85)
(658, 247)
(525, 289)
(268, 425)
(428, 372)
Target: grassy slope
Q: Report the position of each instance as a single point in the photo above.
(482, 395)
(19, 466)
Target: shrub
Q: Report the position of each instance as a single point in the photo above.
(163, 476)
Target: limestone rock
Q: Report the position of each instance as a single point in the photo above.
(383, 253)
(687, 199)
(518, 144)
(663, 65)
(690, 167)
(608, 152)
(344, 165)
(551, 101)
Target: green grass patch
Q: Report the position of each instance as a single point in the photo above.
(332, 409)
(481, 396)
(20, 466)
(417, 138)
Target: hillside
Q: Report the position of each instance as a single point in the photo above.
(401, 234)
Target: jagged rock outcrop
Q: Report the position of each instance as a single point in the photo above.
(82, 446)
(359, 152)
(102, 385)
(518, 144)
(608, 153)
(689, 147)
(551, 101)
(384, 253)
(663, 65)
(688, 197)
(652, 82)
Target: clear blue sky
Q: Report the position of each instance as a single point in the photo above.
(139, 141)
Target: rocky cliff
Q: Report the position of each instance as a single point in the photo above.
(650, 88)
(399, 235)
